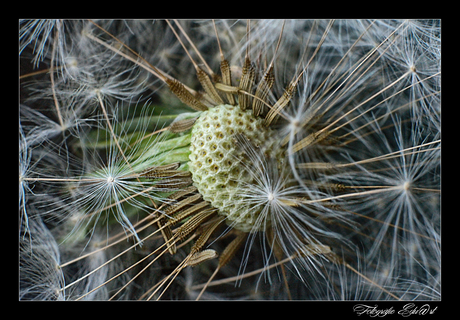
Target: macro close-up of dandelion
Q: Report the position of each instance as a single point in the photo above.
(230, 159)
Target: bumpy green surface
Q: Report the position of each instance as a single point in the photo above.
(215, 160)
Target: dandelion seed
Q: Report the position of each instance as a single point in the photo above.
(40, 275)
(37, 32)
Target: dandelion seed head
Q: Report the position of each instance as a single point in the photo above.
(303, 174)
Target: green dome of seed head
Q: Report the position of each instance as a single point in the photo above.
(216, 160)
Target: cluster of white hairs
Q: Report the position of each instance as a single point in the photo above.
(108, 206)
